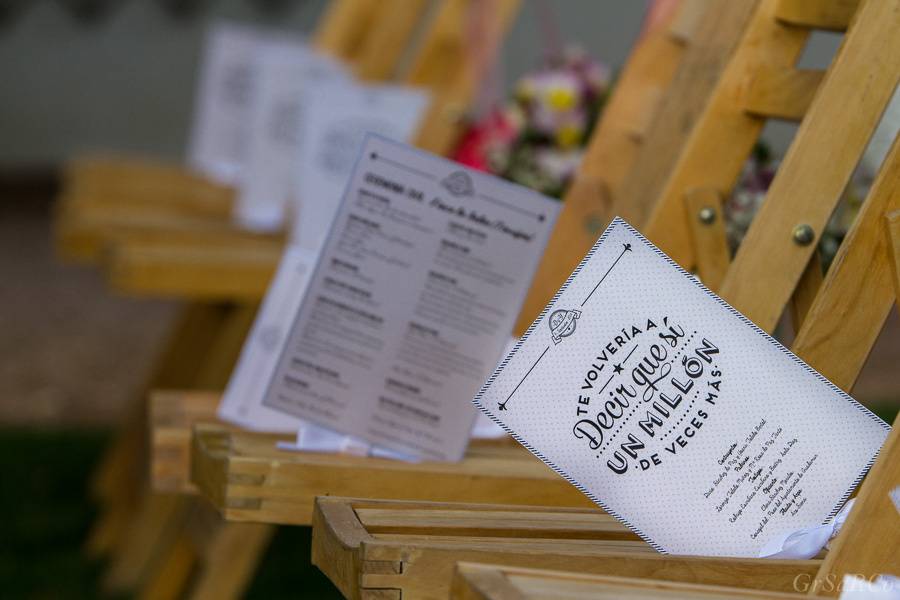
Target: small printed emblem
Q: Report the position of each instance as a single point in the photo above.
(459, 183)
(562, 324)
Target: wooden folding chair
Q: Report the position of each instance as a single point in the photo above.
(840, 324)
(395, 549)
(868, 545)
(352, 542)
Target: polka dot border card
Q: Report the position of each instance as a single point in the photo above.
(674, 412)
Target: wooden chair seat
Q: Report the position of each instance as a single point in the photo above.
(198, 267)
(102, 197)
(383, 549)
(96, 183)
(472, 581)
(87, 237)
(248, 479)
(355, 541)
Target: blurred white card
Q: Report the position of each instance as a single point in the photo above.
(336, 119)
(285, 71)
(674, 412)
(242, 402)
(223, 102)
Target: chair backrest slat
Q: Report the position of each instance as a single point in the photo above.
(869, 542)
(341, 31)
(725, 134)
(385, 46)
(857, 294)
(833, 15)
(716, 38)
(818, 165)
(782, 93)
(444, 63)
(621, 157)
(892, 231)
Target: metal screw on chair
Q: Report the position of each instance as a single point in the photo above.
(707, 215)
(803, 235)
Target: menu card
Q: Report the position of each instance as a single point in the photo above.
(674, 412)
(224, 101)
(286, 71)
(337, 116)
(242, 401)
(329, 130)
(412, 299)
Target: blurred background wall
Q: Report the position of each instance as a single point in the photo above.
(123, 79)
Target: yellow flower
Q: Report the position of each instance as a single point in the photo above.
(560, 98)
(568, 136)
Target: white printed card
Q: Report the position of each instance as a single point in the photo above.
(411, 301)
(242, 401)
(287, 71)
(226, 91)
(674, 412)
(337, 117)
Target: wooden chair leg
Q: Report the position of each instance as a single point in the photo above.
(869, 542)
(173, 572)
(119, 479)
(116, 485)
(149, 537)
(109, 527)
(231, 560)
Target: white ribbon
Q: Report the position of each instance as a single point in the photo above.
(807, 542)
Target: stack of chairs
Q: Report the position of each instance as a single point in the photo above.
(867, 545)
(410, 549)
(684, 117)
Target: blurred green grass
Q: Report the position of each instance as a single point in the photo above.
(47, 513)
